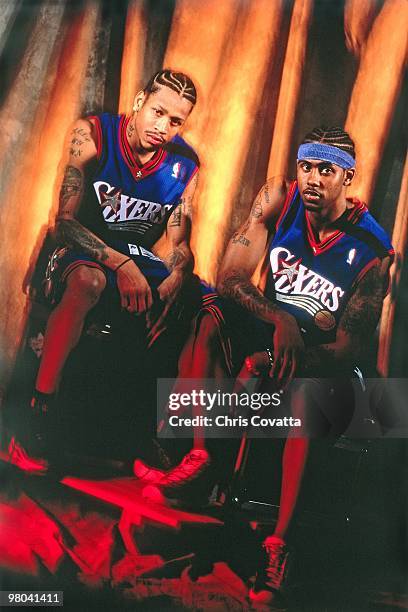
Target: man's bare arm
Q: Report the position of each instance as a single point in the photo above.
(180, 258)
(356, 327)
(244, 251)
(69, 231)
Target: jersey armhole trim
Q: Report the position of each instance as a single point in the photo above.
(98, 129)
(364, 271)
(286, 204)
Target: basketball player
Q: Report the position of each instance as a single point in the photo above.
(327, 274)
(127, 180)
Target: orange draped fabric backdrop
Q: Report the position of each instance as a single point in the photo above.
(264, 70)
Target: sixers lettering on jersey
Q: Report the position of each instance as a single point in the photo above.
(313, 280)
(118, 207)
(129, 203)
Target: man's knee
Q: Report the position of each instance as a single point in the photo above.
(86, 282)
(323, 406)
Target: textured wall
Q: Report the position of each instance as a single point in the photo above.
(267, 71)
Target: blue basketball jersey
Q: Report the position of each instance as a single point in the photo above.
(314, 280)
(126, 203)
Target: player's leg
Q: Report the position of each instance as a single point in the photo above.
(84, 286)
(201, 358)
(324, 408)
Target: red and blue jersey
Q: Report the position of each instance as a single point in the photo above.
(313, 280)
(127, 203)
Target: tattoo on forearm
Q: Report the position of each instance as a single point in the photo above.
(176, 258)
(71, 186)
(180, 258)
(73, 234)
(175, 219)
(242, 291)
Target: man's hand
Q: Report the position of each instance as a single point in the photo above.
(168, 291)
(288, 348)
(135, 293)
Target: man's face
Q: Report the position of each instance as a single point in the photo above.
(159, 117)
(321, 184)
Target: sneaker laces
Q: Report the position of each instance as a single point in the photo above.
(145, 472)
(277, 555)
(193, 464)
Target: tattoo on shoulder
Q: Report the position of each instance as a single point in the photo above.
(266, 193)
(79, 137)
(71, 185)
(82, 133)
(363, 310)
(257, 210)
(238, 238)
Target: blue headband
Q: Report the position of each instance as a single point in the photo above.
(323, 152)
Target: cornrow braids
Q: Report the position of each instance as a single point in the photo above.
(177, 81)
(334, 136)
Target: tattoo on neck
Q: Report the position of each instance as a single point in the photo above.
(130, 129)
(74, 235)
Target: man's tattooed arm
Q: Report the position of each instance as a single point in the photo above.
(71, 233)
(68, 230)
(246, 248)
(237, 287)
(180, 257)
(71, 191)
(356, 327)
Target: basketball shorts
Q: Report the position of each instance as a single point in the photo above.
(326, 405)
